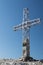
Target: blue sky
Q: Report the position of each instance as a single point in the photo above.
(11, 14)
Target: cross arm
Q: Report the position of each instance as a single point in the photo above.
(17, 27)
(27, 24)
(35, 21)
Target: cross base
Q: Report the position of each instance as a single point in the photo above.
(27, 59)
